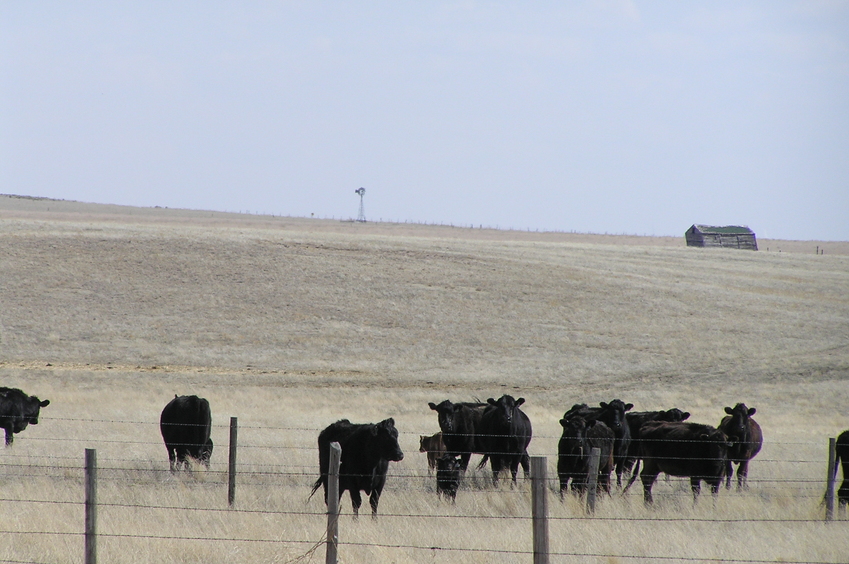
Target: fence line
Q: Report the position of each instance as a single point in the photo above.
(116, 474)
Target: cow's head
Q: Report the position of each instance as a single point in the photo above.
(614, 414)
(445, 413)
(673, 415)
(386, 436)
(737, 427)
(30, 411)
(574, 434)
(448, 464)
(505, 407)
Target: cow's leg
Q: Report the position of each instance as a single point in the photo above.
(373, 500)
(356, 501)
(514, 467)
(715, 484)
(742, 475)
(526, 464)
(172, 458)
(648, 478)
(464, 461)
(495, 463)
(729, 470)
(10, 434)
(843, 497)
(696, 486)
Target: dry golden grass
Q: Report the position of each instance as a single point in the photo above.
(291, 324)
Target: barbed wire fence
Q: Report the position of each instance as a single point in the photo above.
(130, 471)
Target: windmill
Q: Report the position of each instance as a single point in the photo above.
(362, 216)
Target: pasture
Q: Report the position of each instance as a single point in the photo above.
(291, 324)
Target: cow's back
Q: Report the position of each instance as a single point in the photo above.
(186, 420)
(684, 449)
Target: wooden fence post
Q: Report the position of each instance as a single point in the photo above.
(592, 479)
(539, 503)
(90, 506)
(333, 503)
(231, 486)
(832, 472)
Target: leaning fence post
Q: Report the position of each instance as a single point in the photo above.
(90, 506)
(231, 486)
(592, 479)
(333, 503)
(829, 487)
(539, 503)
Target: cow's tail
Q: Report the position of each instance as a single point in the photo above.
(482, 463)
(315, 487)
(634, 473)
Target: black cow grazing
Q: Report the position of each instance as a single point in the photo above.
(636, 419)
(842, 459)
(573, 454)
(505, 434)
(613, 415)
(367, 450)
(459, 423)
(434, 447)
(17, 410)
(747, 439)
(692, 450)
(185, 424)
(448, 476)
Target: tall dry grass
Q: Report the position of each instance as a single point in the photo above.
(290, 330)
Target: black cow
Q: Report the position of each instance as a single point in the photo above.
(842, 459)
(636, 419)
(747, 439)
(448, 476)
(573, 453)
(17, 410)
(613, 415)
(505, 433)
(185, 424)
(434, 447)
(366, 451)
(459, 423)
(697, 451)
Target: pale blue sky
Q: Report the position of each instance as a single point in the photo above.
(609, 116)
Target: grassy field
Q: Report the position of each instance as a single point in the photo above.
(289, 324)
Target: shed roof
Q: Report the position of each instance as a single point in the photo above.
(725, 229)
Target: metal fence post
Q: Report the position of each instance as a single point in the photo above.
(333, 503)
(90, 506)
(832, 473)
(539, 503)
(231, 486)
(592, 479)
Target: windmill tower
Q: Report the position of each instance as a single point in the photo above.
(362, 216)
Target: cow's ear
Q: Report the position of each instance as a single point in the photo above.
(391, 422)
(374, 430)
(563, 422)
(629, 406)
(729, 411)
(45, 403)
(520, 401)
(432, 405)
(685, 415)
(603, 404)
(491, 401)
(752, 411)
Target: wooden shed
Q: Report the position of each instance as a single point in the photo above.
(731, 236)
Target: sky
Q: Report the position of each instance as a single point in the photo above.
(607, 116)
